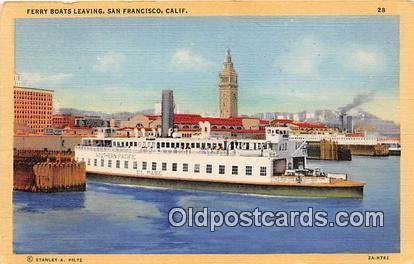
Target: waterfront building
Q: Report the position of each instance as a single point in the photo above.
(188, 125)
(228, 89)
(299, 128)
(89, 121)
(63, 120)
(33, 108)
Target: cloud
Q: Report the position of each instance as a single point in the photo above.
(362, 58)
(35, 78)
(366, 58)
(110, 62)
(186, 59)
(302, 58)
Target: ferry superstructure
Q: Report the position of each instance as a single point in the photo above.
(275, 165)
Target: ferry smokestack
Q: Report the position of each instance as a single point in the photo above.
(167, 112)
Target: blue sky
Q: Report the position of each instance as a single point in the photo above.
(284, 63)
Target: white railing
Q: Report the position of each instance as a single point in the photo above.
(250, 153)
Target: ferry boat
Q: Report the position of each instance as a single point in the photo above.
(275, 165)
(341, 139)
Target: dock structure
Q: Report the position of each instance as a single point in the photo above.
(328, 150)
(40, 171)
(369, 150)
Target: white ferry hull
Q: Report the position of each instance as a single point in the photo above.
(240, 188)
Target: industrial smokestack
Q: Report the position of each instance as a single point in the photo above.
(349, 124)
(342, 122)
(167, 112)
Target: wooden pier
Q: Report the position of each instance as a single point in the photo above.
(44, 171)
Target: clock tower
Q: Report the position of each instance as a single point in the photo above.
(228, 88)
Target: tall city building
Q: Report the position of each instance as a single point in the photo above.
(33, 108)
(228, 88)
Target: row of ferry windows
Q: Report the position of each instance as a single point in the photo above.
(199, 145)
(248, 170)
(169, 145)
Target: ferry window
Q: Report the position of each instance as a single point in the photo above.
(126, 164)
(234, 170)
(89, 161)
(174, 166)
(95, 162)
(154, 166)
(208, 145)
(122, 144)
(144, 165)
(248, 170)
(118, 164)
(197, 168)
(203, 145)
(209, 168)
(164, 166)
(192, 145)
(182, 145)
(163, 144)
(262, 171)
(102, 162)
(222, 169)
(131, 143)
(158, 145)
(185, 167)
(135, 144)
(198, 145)
(109, 163)
(168, 144)
(135, 165)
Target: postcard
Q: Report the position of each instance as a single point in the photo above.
(242, 131)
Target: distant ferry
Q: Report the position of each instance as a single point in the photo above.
(341, 139)
(273, 166)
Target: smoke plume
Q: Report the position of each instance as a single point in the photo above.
(359, 99)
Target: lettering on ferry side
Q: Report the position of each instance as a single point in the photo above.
(114, 156)
(105, 155)
(148, 173)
